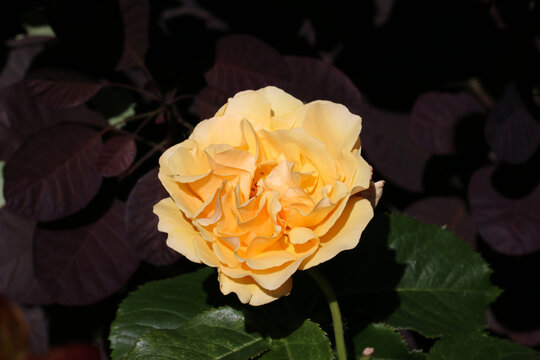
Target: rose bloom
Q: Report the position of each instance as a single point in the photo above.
(267, 186)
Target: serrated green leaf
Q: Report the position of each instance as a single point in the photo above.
(215, 334)
(478, 346)
(386, 343)
(307, 342)
(417, 276)
(163, 304)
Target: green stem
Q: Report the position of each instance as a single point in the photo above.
(334, 310)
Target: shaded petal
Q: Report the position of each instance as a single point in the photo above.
(273, 277)
(181, 234)
(345, 234)
(249, 291)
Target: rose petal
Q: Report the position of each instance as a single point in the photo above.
(251, 105)
(281, 103)
(345, 234)
(273, 277)
(219, 130)
(181, 233)
(331, 123)
(248, 291)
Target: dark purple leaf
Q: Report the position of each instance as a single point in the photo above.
(53, 173)
(209, 101)
(527, 338)
(135, 15)
(17, 279)
(39, 330)
(446, 211)
(86, 264)
(142, 223)
(510, 226)
(160, 119)
(19, 59)
(383, 9)
(389, 149)
(61, 88)
(116, 155)
(69, 352)
(314, 79)
(434, 117)
(21, 115)
(511, 131)
(243, 62)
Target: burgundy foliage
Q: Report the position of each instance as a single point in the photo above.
(511, 131)
(390, 150)
(142, 223)
(61, 88)
(38, 325)
(69, 352)
(53, 173)
(244, 62)
(434, 118)
(527, 338)
(116, 155)
(17, 280)
(21, 54)
(86, 264)
(21, 116)
(394, 155)
(135, 17)
(209, 100)
(313, 79)
(510, 226)
(450, 212)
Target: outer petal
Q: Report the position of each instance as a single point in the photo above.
(274, 277)
(225, 129)
(249, 292)
(181, 233)
(333, 124)
(251, 105)
(345, 234)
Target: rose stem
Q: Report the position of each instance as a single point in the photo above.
(334, 310)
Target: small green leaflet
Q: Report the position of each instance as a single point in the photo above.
(386, 342)
(307, 342)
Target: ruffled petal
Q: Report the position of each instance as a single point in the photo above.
(248, 291)
(181, 234)
(331, 123)
(345, 234)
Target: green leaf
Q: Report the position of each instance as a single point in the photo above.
(386, 343)
(163, 304)
(417, 276)
(307, 342)
(479, 346)
(118, 120)
(216, 334)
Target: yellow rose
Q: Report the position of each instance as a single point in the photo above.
(264, 188)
